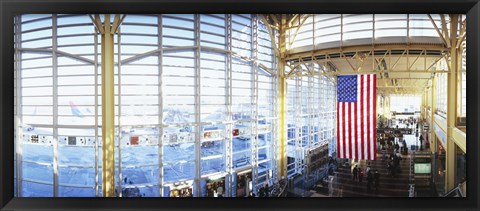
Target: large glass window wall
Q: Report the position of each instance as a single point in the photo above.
(463, 97)
(194, 99)
(441, 94)
(334, 30)
(56, 103)
(441, 87)
(405, 103)
(310, 118)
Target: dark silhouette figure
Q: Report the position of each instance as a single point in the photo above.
(377, 179)
(360, 175)
(261, 192)
(421, 141)
(355, 174)
(267, 191)
(369, 180)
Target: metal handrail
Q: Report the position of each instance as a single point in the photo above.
(411, 191)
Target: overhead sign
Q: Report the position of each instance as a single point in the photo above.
(395, 131)
(134, 140)
(72, 140)
(403, 113)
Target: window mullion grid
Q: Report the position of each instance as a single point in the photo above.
(341, 29)
(228, 100)
(298, 116)
(373, 28)
(96, 111)
(315, 109)
(119, 96)
(55, 105)
(253, 104)
(274, 122)
(160, 111)
(310, 110)
(197, 105)
(313, 31)
(19, 117)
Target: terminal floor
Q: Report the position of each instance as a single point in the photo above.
(396, 186)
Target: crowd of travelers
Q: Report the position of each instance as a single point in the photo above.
(372, 177)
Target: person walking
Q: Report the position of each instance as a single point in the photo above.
(261, 192)
(220, 190)
(376, 177)
(369, 181)
(360, 175)
(267, 191)
(384, 155)
(355, 174)
(421, 141)
(389, 169)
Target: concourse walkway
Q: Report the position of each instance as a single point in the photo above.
(390, 186)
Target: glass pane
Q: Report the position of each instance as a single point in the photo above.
(179, 171)
(65, 191)
(37, 172)
(31, 189)
(214, 165)
(72, 176)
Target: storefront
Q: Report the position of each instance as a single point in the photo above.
(180, 189)
(215, 186)
(243, 184)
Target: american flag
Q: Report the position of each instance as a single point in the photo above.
(356, 116)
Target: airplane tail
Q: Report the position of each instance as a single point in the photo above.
(75, 110)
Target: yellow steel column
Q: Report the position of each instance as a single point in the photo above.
(108, 30)
(432, 138)
(452, 104)
(282, 94)
(108, 107)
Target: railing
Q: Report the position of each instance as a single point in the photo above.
(279, 189)
(455, 192)
(411, 183)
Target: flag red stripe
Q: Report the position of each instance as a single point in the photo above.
(368, 116)
(350, 129)
(356, 133)
(350, 118)
(374, 142)
(362, 89)
(343, 129)
(338, 131)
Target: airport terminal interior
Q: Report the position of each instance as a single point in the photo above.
(239, 105)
